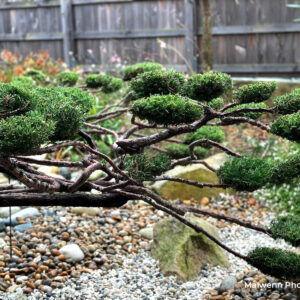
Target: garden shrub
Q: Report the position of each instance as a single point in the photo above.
(287, 126)
(212, 133)
(276, 262)
(67, 78)
(167, 110)
(36, 75)
(255, 92)
(181, 150)
(246, 173)
(288, 104)
(207, 86)
(107, 83)
(156, 83)
(130, 72)
(143, 167)
(288, 228)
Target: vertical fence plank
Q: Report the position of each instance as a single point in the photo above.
(190, 35)
(67, 30)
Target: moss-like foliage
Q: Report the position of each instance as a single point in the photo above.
(288, 104)
(167, 110)
(130, 72)
(22, 82)
(181, 150)
(13, 97)
(276, 262)
(287, 228)
(107, 83)
(216, 103)
(287, 170)
(81, 98)
(255, 92)
(145, 167)
(251, 115)
(246, 173)
(212, 133)
(36, 75)
(64, 111)
(23, 134)
(67, 78)
(288, 127)
(207, 86)
(156, 83)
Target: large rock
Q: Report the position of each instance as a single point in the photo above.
(24, 213)
(4, 211)
(91, 211)
(183, 252)
(198, 172)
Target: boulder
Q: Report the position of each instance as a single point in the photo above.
(183, 252)
(72, 252)
(198, 172)
(91, 211)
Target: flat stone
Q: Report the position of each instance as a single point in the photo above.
(91, 211)
(197, 172)
(23, 227)
(24, 213)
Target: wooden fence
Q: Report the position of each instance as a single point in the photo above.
(250, 36)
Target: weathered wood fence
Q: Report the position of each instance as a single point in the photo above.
(250, 36)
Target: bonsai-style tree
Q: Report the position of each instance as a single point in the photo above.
(186, 114)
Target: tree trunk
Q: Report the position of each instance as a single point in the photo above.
(207, 41)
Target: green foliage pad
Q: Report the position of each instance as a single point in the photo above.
(181, 150)
(212, 133)
(67, 78)
(167, 110)
(276, 262)
(288, 104)
(130, 72)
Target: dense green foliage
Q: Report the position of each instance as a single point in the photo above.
(145, 167)
(67, 78)
(288, 104)
(288, 127)
(287, 228)
(156, 83)
(181, 150)
(276, 262)
(246, 173)
(167, 110)
(36, 75)
(22, 81)
(13, 97)
(287, 170)
(255, 92)
(251, 115)
(107, 83)
(23, 134)
(216, 103)
(130, 72)
(212, 133)
(68, 114)
(207, 86)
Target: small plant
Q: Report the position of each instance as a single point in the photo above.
(67, 78)
(107, 83)
(180, 151)
(36, 75)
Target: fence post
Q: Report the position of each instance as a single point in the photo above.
(190, 36)
(67, 29)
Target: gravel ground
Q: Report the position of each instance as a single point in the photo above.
(117, 263)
